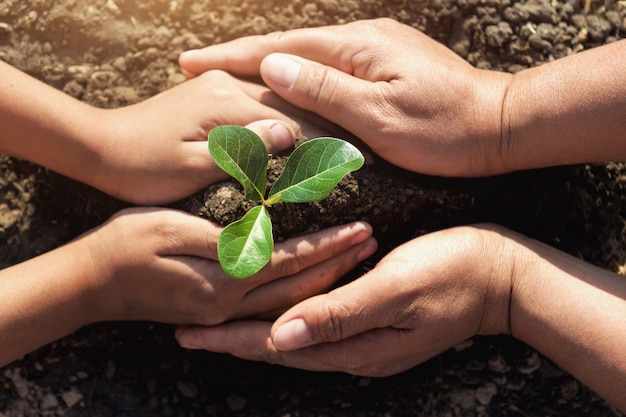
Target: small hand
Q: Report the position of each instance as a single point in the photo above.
(160, 265)
(420, 300)
(156, 151)
(411, 99)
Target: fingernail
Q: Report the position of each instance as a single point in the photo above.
(361, 234)
(292, 335)
(187, 341)
(189, 54)
(367, 251)
(360, 237)
(282, 137)
(281, 69)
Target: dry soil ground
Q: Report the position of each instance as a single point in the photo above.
(112, 53)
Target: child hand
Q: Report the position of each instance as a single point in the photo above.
(156, 151)
(161, 265)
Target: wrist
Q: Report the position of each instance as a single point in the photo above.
(102, 289)
(100, 127)
(566, 112)
(487, 120)
(496, 269)
(45, 298)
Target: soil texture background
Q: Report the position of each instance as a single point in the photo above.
(111, 53)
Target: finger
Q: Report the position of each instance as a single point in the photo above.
(326, 91)
(182, 233)
(343, 313)
(305, 122)
(238, 57)
(277, 135)
(299, 253)
(281, 294)
(243, 56)
(249, 339)
(378, 352)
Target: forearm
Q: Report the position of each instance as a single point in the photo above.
(568, 111)
(44, 299)
(575, 314)
(46, 126)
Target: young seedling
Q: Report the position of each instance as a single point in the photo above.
(311, 172)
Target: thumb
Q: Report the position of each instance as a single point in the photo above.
(319, 88)
(277, 135)
(345, 312)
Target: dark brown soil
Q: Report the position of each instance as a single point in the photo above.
(110, 53)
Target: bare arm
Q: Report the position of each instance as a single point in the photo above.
(44, 299)
(568, 111)
(575, 314)
(46, 126)
(160, 265)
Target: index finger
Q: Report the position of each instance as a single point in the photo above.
(243, 56)
(372, 353)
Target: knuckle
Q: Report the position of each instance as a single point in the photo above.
(218, 82)
(275, 38)
(321, 86)
(214, 75)
(371, 27)
(291, 265)
(296, 294)
(332, 329)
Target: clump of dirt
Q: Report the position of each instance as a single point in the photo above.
(111, 53)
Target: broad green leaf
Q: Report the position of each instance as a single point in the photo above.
(245, 246)
(243, 155)
(314, 169)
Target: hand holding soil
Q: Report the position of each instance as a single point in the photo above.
(435, 292)
(161, 265)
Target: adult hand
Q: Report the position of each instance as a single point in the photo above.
(436, 291)
(411, 99)
(420, 300)
(420, 106)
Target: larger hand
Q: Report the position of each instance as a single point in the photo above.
(421, 299)
(411, 99)
(438, 290)
(422, 107)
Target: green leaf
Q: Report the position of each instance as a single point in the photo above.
(245, 246)
(243, 155)
(314, 169)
